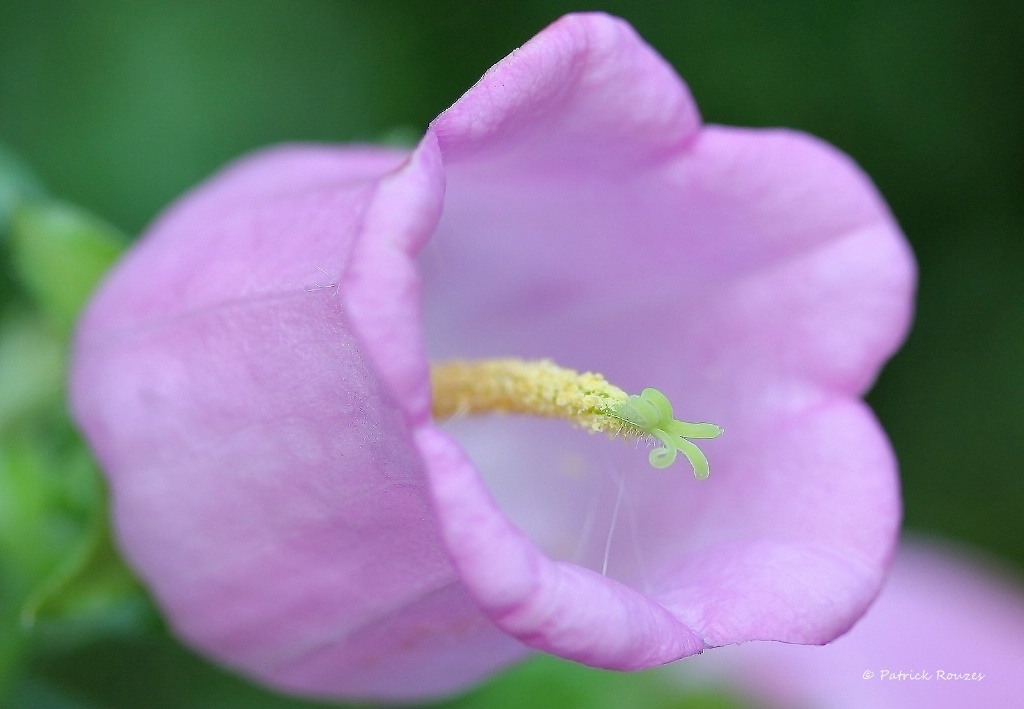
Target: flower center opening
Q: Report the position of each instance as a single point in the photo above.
(542, 388)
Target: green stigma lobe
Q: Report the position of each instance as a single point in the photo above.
(651, 413)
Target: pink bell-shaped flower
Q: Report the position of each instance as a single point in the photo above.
(255, 379)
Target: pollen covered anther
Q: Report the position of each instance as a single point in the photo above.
(588, 401)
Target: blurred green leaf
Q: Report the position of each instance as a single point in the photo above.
(90, 587)
(43, 505)
(31, 367)
(60, 254)
(61, 582)
(544, 681)
(151, 671)
(17, 184)
(11, 638)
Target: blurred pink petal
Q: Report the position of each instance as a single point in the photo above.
(947, 631)
(254, 380)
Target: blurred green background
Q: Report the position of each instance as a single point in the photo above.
(120, 105)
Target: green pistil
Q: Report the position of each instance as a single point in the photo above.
(651, 413)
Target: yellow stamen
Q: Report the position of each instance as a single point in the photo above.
(526, 387)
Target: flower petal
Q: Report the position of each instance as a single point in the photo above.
(943, 610)
(585, 94)
(755, 276)
(265, 481)
(554, 606)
